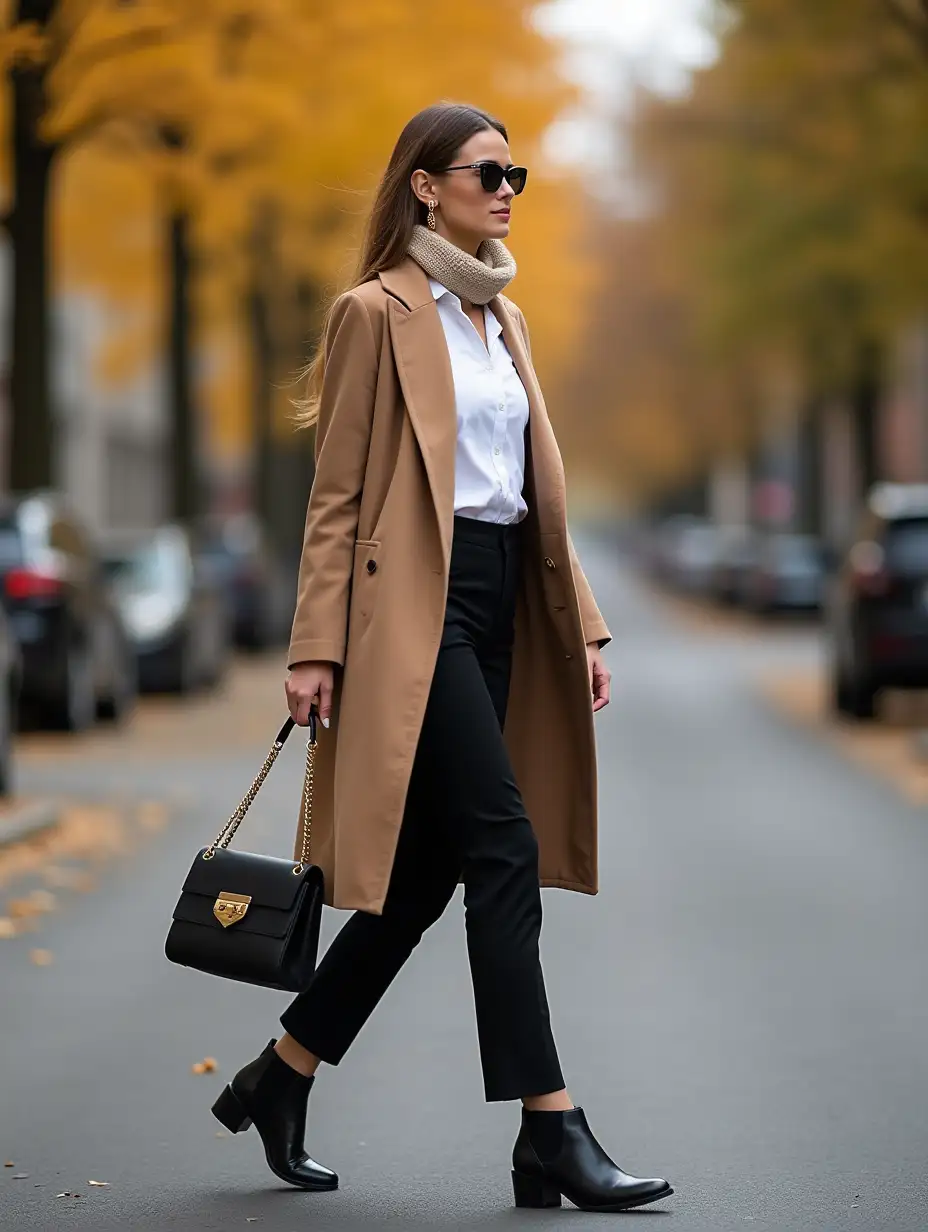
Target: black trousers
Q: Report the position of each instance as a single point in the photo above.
(464, 819)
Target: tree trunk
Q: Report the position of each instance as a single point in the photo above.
(304, 339)
(32, 463)
(865, 399)
(185, 497)
(263, 365)
(278, 312)
(298, 465)
(810, 514)
(262, 403)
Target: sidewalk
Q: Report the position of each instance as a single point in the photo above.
(893, 746)
(92, 800)
(21, 819)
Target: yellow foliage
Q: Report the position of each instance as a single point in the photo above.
(788, 228)
(287, 104)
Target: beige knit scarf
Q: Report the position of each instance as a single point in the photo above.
(477, 279)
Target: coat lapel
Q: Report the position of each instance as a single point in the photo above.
(424, 368)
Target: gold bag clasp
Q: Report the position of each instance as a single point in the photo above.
(229, 908)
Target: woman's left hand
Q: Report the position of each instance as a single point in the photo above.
(600, 676)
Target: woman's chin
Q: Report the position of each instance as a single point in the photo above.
(499, 229)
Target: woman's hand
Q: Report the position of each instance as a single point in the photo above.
(600, 676)
(305, 682)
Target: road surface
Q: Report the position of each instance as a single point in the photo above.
(743, 1008)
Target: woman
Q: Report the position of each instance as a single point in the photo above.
(449, 637)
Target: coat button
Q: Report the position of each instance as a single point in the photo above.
(568, 656)
(372, 566)
(550, 563)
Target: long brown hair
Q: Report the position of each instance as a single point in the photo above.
(429, 141)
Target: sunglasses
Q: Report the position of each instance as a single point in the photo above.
(492, 175)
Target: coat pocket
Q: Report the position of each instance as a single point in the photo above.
(364, 578)
(554, 562)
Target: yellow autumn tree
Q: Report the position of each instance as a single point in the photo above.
(232, 148)
(789, 190)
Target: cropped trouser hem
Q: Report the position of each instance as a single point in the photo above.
(514, 1086)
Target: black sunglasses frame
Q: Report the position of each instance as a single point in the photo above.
(492, 175)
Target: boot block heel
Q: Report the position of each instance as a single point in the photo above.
(229, 1111)
(534, 1191)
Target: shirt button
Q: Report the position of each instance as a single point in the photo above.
(496, 449)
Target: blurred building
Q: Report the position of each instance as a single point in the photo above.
(814, 462)
(111, 441)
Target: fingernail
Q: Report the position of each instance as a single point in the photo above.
(325, 722)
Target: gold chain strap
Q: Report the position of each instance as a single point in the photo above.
(307, 804)
(227, 833)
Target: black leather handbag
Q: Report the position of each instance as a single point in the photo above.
(251, 917)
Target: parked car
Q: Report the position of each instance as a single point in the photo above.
(787, 573)
(735, 557)
(260, 591)
(691, 557)
(877, 606)
(661, 542)
(172, 606)
(10, 681)
(77, 663)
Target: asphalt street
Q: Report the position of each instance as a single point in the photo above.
(743, 1009)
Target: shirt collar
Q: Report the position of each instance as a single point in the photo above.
(493, 324)
(438, 289)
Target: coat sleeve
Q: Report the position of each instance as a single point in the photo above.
(343, 431)
(594, 627)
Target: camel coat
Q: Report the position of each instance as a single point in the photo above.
(373, 584)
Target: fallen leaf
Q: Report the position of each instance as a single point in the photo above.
(9, 1164)
(209, 1064)
(7, 927)
(198, 1068)
(101, 1184)
(41, 958)
(152, 815)
(19, 908)
(55, 875)
(221, 1133)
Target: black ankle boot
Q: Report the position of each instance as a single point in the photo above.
(274, 1096)
(556, 1153)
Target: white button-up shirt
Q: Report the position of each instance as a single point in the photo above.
(492, 413)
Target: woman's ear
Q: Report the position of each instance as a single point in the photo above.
(424, 190)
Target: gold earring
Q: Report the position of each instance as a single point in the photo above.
(430, 218)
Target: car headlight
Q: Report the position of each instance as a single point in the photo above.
(150, 616)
